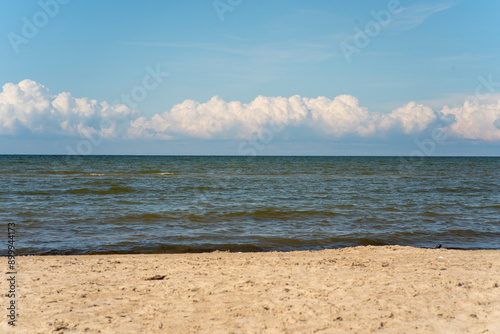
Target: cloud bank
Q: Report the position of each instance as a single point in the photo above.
(342, 116)
(28, 109)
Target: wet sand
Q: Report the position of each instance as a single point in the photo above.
(387, 289)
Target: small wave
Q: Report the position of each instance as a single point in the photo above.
(277, 214)
(143, 218)
(79, 191)
(372, 242)
(118, 190)
(433, 214)
(60, 172)
(111, 191)
(35, 193)
(148, 172)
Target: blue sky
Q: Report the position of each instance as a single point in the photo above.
(434, 54)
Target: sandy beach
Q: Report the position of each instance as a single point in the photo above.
(387, 289)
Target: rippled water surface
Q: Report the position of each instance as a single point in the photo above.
(144, 204)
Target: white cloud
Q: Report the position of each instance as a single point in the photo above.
(217, 119)
(475, 121)
(29, 108)
(326, 118)
(417, 12)
(413, 117)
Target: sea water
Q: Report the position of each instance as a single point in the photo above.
(171, 204)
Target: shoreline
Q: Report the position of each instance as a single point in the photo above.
(232, 251)
(362, 289)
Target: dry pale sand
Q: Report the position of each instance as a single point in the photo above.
(353, 290)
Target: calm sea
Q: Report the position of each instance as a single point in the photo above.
(166, 204)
